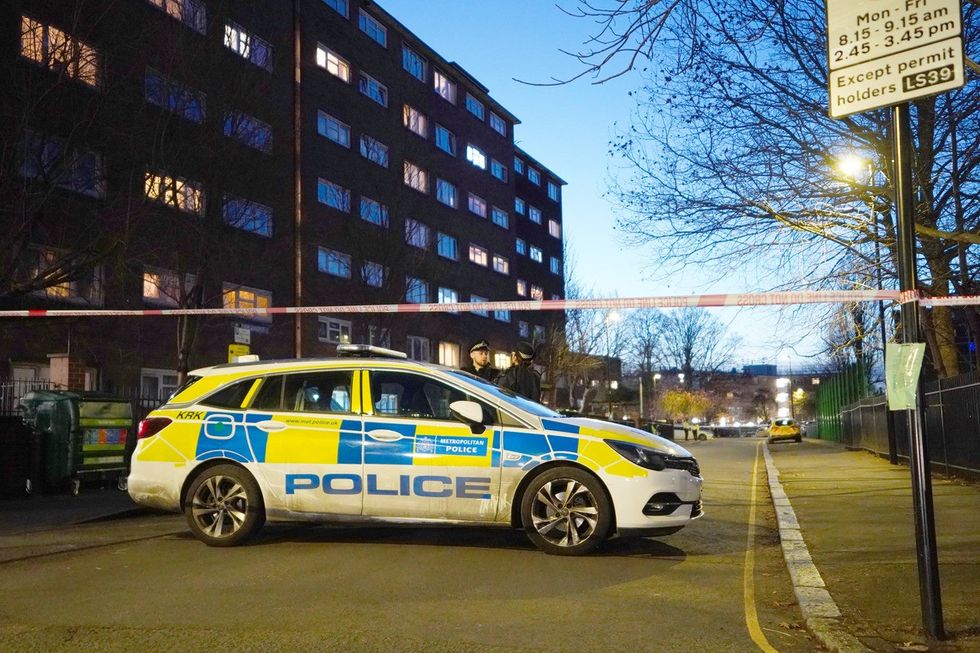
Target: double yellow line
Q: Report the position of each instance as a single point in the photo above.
(748, 580)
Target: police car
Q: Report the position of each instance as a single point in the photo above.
(373, 436)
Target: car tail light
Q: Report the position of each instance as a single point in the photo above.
(151, 426)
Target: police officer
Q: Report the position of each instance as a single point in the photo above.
(480, 362)
(520, 377)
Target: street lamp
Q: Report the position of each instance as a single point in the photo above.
(680, 377)
(782, 397)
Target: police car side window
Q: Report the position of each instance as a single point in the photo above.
(318, 392)
(231, 396)
(399, 394)
(269, 396)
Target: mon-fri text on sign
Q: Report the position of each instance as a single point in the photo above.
(883, 52)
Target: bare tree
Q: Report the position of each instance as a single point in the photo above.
(695, 342)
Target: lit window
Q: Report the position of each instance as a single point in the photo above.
(416, 121)
(77, 170)
(518, 165)
(333, 195)
(370, 26)
(374, 89)
(476, 156)
(416, 290)
(534, 214)
(448, 296)
(248, 130)
(554, 228)
(413, 62)
(447, 247)
(417, 233)
(246, 215)
(333, 263)
(417, 348)
(446, 192)
(445, 87)
(479, 255)
(332, 330)
(536, 254)
(500, 217)
(55, 264)
(498, 170)
(522, 287)
(177, 192)
(449, 354)
(501, 315)
(520, 206)
(333, 63)
(498, 124)
(533, 176)
(373, 274)
(537, 294)
(340, 6)
(476, 299)
(554, 265)
(521, 246)
(553, 191)
(177, 98)
(374, 150)
(248, 46)
(59, 51)
(235, 296)
(190, 12)
(475, 107)
(445, 140)
(332, 128)
(416, 177)
(162, 287)
(523, 329)
(501, 264)
(374, 212)
(477, 205)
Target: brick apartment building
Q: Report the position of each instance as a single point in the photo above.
(214, 153)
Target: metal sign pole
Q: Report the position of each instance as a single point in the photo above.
(930, 596)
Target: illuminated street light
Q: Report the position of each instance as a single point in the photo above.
(782, 397)
(782, 382)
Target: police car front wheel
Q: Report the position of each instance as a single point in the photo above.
(224, 506)
(566, 511)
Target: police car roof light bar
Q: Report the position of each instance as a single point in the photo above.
(369, 351)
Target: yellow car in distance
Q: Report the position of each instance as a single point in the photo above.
(784, 428)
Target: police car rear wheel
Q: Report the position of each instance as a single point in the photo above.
(566, 511)
(224, 506)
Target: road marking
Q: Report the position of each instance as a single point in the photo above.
(748, 585)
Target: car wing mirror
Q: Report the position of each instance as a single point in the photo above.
(469, 412)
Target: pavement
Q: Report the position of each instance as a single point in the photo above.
(847, 530)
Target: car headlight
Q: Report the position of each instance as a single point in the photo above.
(638, 455)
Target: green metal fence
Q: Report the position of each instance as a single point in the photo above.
(834, 394)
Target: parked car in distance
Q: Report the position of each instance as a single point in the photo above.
(784, 428)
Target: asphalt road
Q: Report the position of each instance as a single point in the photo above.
(143, 584)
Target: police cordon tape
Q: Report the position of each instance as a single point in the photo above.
(669, 301)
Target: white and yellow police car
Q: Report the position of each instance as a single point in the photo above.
(373, 436)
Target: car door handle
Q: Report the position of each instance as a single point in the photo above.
(269, 426)
(384, 435)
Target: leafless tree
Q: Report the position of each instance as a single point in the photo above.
(695, 342)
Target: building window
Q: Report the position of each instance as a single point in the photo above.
(332, 330)
(534, 214)
(46, 263)
(248, 130)
(374, 150)
(501, 264)
(536, 254)
(553, 191)
(246, 215)
(248, 46)
(416, 290)
(533, 176)
(416, 121)
(520, 206)
(374, 89)
(158, 383)
(181, 100)
(476, 156)
(414, 63)
(518, 165)
(538, 332)
(477, 205)
(373, 274)
(417, 233)
(177, 192)
(379, 336)
(445, 87)
(77, 170)
(333, 63)
(498, 170)
(537, 294)
(370, 26)
(235, 296)
(448, 296)
(447, 247)
(445, 140)
(522, 287)
(332, 128)
(416, 177)
(190, 12)
(521, 246)
(333, 195)
(332, 262)
(479, 255)
(449, 354)
(554, 229)
(59, 51)
(523, 329)
(500, 217)
(162, 287)
(498, 124)
(340, 6)
(501, 315)
(446, 192)
(374, 212)
(476, 299)
(418, 348)
(555, 265)
(475, 107)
